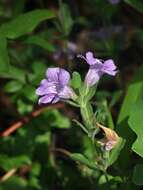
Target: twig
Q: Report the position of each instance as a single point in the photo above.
(28, 118)
(61, 150)
(8, 174)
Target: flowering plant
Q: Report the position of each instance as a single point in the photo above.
(57, 87)
(82, 129)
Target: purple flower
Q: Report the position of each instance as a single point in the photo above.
(97, 68)
(55, 86)
(114, 1)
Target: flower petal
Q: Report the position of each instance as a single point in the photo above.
(92, 77)
(109, 67)
(47, 99)
(66, 93)
(46, 88)
(44, 81)
(109, 145)
(52, 74)
(90, 59)
(55, 100)
(58, 75)
(64, 77)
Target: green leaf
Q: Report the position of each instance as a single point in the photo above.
(137, 4)
(29, 93)
(138, 174)
(39, 41)
(36, 169)
(61, 121)
(24, 23)
(76, 80)
(4, 59)
(34, 183)
(43, 138)
(14, 73)
(115, 97)
(116, 151)
(13, 86)
(14, 183)
(131, 98)
(8, 163)
(113, 181)
(133, 94)
(24, 107)
(38, 68)
(57, 120)
(65, 18)
(38, 71)
(136, 124)
(83, 160)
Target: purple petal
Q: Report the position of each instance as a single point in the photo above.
(66, 93)
(52, 74)
(48, 99)
(109, 145)
(98, 66)
(44, 81)
(109, 67)
(46, 88)
(55, 100)
(64, 77)
(92, 77)
(90, 59)
(58, 75)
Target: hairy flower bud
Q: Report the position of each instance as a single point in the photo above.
(111, 138)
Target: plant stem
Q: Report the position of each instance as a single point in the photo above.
(85, 115)
(84, 109)
(107, 180)
(80, 125)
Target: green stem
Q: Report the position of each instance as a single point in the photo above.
(84, 110)
(93, 135)
(52, 146)
(109, 115)
(107, 180)
(85, 115)
(81, 126)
